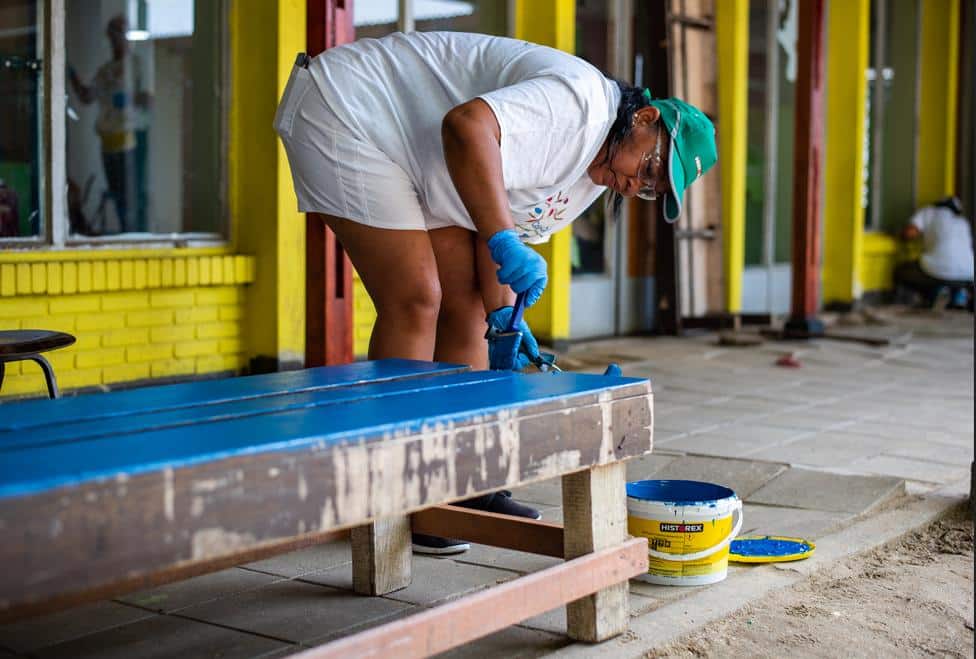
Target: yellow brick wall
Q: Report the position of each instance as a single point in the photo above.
(134, 318)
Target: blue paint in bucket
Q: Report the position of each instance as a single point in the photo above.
(679, 493)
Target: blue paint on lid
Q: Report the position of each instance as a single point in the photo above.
(768, 547)
(680, 493)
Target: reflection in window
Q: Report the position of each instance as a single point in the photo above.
(20, 97)
(143, 130)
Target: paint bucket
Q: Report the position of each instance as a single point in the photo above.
(688, 526)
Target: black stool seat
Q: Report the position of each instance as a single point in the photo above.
(16, 345)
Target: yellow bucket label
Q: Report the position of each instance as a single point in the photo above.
(683, 538)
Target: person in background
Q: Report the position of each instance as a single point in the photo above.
(123, 103)
(945, 270)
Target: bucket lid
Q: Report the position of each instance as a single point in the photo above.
(683, 493)
(769, 549)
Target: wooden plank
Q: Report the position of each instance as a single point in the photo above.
(167, 575)
(808, 159)
(34, 469)
(474, 616)
(595, 517)
(135, 422)
(79, 536)
(328, 296)
(519, 533)
(34, 413)
(381, 556)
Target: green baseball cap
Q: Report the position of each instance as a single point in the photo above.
(692, 151)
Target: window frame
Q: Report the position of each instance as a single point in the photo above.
(54, 227)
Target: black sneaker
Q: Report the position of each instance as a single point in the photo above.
(500, 502)
(437, 546)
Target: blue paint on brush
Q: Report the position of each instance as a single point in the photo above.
(768, 547)
(679, 493)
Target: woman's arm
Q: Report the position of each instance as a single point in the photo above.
(85, 93)
(471, 138)
(493, 294)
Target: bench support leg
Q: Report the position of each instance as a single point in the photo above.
(381, 556)
(595, 518)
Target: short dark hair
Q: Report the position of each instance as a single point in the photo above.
(952, 203)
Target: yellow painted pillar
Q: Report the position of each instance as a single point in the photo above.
(265, 36)
(551, 23)
(732, 44)
(938, 91)
(848, 35)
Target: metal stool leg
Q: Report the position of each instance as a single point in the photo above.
(52, 384)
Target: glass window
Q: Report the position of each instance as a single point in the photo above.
(591, 231)
(484, 16)
(144, 99)
(21, 109)
(376, 18)
(373, 19)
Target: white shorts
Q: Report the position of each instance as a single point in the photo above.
(337, 172)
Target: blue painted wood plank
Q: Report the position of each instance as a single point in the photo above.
(80, 430)
(33, 413)
(37, 469)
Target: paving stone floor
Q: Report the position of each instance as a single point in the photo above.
(807, 449)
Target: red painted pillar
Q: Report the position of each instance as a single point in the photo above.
(808, 161)
(328, 273)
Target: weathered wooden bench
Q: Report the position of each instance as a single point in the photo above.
(108, 493)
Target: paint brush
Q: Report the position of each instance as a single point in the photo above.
(503, 347)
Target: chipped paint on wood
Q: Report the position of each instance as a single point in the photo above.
(508, 441)
(559, 463)
(169, 494)
(216, 541)
(606, 413)
(205, 507)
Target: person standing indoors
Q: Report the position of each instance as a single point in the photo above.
(437, 157)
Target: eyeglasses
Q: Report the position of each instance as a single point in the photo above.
(648, 173)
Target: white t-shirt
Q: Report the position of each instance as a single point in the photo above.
(554, 111)
(116, 85)
(948, 243)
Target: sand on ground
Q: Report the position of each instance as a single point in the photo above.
(910, 598)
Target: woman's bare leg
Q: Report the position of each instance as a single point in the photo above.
(400, 274)
(461, 322)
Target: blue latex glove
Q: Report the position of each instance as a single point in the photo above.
(519, 265)
(528, 349)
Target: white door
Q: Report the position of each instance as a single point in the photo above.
(604, 38)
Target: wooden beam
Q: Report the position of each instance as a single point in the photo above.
(595, 517)
(518, 533)
(808, 157)
(167, 575)
(474, 616)
(328, 272)
(244, 480)
(328, 305)
(381, 556)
